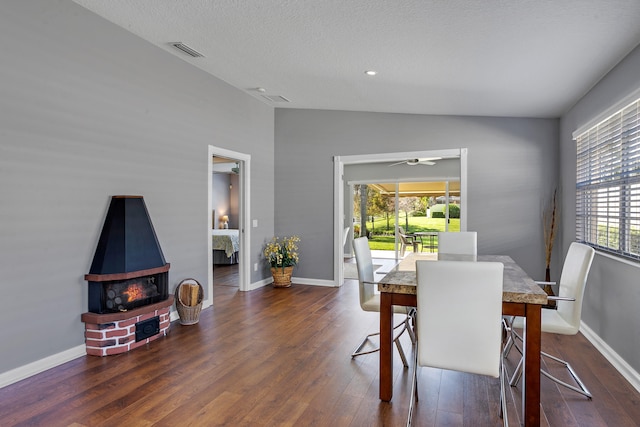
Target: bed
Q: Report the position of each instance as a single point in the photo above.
(225, 243)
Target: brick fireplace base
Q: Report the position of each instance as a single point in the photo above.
(115, 333)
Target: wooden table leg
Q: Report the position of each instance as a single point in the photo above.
(531, 378)
(386, 347)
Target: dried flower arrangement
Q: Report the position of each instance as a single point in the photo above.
(550, 227)
(282, 251)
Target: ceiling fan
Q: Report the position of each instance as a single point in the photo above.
(430, 161)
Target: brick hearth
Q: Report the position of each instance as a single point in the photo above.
(114, 333)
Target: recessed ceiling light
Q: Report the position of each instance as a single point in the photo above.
(371, 72)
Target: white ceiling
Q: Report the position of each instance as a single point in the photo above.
(518, 58)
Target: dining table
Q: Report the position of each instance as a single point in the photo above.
(521, 296)
(424, 235)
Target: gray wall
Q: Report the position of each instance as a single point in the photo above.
(512, 167)
(611, 306)
(88, 110)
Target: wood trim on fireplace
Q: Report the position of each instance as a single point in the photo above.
(125, 276)
(115, 317)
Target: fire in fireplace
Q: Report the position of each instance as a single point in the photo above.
(123, 296)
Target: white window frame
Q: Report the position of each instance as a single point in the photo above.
(608, 183)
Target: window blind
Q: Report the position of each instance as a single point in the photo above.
(608, 184)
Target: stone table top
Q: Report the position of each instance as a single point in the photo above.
(517, 287)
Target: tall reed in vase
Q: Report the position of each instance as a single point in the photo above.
(550, 227)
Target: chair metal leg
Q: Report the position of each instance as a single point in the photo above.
(517, 373)
(396, 340)
(357, 351)
(508, 332)
(410, 323)
(582, 390)
(414, 388)
(401, 351)
(512, 337)
(411, 332)
(503, 394)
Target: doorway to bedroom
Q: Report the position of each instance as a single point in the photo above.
(225, 213)
(227, 237)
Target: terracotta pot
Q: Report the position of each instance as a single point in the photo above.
(281, 276)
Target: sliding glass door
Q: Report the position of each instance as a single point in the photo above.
(388, 212)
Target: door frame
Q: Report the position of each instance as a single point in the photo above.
(244, 193)
(338, 192)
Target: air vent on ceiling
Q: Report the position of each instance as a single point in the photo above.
(186, 49)
(276, 98)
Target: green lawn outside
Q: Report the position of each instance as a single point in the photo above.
(383, 239)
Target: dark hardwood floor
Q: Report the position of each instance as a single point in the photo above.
(281, 357)
(226, 275)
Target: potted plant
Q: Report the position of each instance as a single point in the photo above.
(282, 255)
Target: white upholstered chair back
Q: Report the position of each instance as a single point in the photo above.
(364, 263)
(459, 315)
(573, 280)
(459, 243)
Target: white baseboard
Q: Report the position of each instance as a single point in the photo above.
(621, 366)
(260, 284)
(41, 365)
(313, 282)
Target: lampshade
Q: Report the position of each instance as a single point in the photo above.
(225, 218)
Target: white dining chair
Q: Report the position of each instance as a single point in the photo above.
(459, 326)
(458, 243)
(565, 318)
(370, 300)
